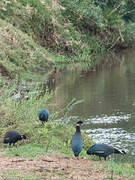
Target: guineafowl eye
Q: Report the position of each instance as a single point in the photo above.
(103, 150)
(77, 143)
(43, 115)
(11, 137)
(24, 137)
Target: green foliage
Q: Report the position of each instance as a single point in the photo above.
(75, 31)
(13, 174)
(69, 107)
(18, 51)
(129, 34)
(28, 150)
(123, 9)
(128, 13)
(121, 168)
(30, 16)
(83, 13)
(20, 111)
(22, 115)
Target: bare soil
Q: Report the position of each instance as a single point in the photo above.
(55, 166)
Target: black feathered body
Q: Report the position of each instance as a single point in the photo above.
(103, 150)
(43, 115)
(77, 143)
(11, 137)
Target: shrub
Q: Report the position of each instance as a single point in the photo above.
(129, 34)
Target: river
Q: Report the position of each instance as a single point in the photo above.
(108, 94)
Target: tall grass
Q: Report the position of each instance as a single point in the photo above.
(22, 114)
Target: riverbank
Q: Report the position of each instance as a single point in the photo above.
(47, 153)
(57, 166)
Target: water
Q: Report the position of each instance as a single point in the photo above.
(108, 110)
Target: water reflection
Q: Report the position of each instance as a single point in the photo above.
(108, 109)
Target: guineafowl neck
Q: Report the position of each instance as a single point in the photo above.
(78, 129)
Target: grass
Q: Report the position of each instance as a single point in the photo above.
(115, 169)
(13, 174)
(21, 56)
(22, 115)
(27, 150)
(126, 169)
(38, 34)
(19, 53)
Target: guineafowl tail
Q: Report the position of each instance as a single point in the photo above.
(116, 151)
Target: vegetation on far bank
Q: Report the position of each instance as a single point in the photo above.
(35, 34)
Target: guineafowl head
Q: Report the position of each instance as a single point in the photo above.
(23, 136)
(78, 126)
(89, 152)
(79, 122)
(20, 137)
(123, 152)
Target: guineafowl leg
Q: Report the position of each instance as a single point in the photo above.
(10, 145)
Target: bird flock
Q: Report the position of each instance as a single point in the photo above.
(100, 150)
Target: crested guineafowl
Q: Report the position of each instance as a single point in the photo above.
(43, 115)
(77, 143)
(103, 150)
(11, 137)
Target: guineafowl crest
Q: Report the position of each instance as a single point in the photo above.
(79, 122)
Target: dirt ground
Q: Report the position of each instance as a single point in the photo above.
(55, 166)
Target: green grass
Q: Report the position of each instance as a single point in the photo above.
(19, 53)
(36, 34)
(14, 174)
(27, 150)
(126, 169)
(23, 116)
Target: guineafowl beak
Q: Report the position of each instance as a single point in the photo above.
(89, 152)
(23, 137)
(124, 152)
